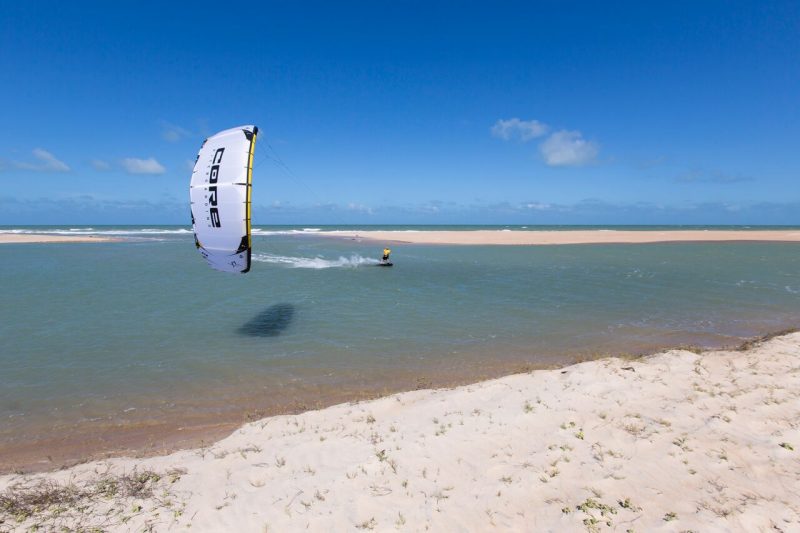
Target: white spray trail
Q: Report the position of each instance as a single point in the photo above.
(315, 262)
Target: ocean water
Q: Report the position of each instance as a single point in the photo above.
(133, 341)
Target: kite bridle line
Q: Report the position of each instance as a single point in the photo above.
(276, 159)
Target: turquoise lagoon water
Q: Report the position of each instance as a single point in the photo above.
(141, 333)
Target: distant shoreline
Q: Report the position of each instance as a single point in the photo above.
(29, 238)
(549, 237)
(500, 237)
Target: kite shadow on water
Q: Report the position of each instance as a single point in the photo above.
(270, 322)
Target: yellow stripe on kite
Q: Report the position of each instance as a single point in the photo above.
(250, 186)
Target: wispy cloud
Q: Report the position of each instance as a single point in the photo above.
(698, 176)
(99, 164)
(514, 128)
(538, 206)
(46, 162)
(359, 208)
(173, 133)
(133, 165)
(568, 149)
(651, 163)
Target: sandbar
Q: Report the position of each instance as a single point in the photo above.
(517, 237)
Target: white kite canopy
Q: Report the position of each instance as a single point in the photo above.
(220, 198)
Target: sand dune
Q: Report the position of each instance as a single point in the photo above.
(566, 237)
(675, 441)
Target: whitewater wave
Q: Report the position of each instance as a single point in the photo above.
(315, 262)
(304, 231)
(92, 231)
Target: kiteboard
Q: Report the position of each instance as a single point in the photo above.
(382, 264)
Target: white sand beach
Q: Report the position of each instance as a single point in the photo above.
(509, 237)
(675, 441)
(16, 238)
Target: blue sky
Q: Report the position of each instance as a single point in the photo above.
(406, 112)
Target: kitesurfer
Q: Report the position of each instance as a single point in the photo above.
(386, 252)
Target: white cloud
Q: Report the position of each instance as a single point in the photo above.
(99, 164)
(173, 133)
(514, 128)
(133, 165)
(538, 206)
(568, 148)
(47, 163)
(360, 208)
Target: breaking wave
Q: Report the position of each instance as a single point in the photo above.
(92, 231)
(315, 262)
(306, 231)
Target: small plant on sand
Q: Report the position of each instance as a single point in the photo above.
(528, 408)
(22, 504)
(579, 434)
(670, 516)
(49, 502)
(633, 429)
(591, 524)
(589, 507)
(626, 504)
(440, 495)
(787, 446)
(367, 524)
(591, 503)
(370, 419)
(681, 443)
